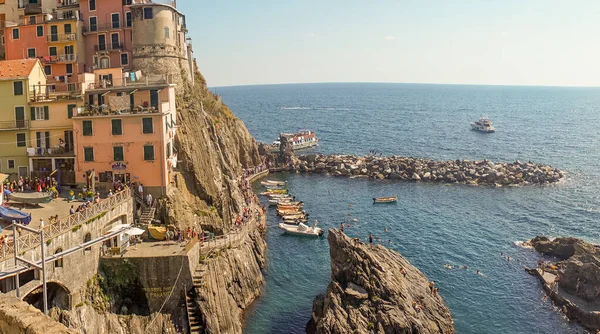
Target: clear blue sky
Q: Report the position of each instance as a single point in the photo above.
(504, 42)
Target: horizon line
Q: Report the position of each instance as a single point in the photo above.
(400, 83)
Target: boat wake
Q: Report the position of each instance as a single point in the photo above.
(316, 108)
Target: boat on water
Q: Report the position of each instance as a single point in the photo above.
(295, 221)
(302, 229)
(300, 140)
(277, 191)
(392, 199)
(273, 183)
(289, 212)
(483, 125)
(294, 216)
(273, 186)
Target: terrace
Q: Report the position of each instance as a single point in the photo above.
(14, 125)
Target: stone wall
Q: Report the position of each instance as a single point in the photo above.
(80, 266)
(18, 317)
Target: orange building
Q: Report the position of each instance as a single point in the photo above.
(56, 39)
(126, 131)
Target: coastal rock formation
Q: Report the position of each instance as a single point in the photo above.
(574, 281)
(18, 317)
(376, 290)
(231, 280)
(482, 172)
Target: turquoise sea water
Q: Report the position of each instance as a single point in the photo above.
(432, 224)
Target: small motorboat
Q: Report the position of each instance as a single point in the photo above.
(273, 186)
(296, 216)
(290, 212)
(295, 221)
(392, 199)
(483, 125)
(302, 229)
(289, 205)
(279, 196)
(274, 183)
(277, 191)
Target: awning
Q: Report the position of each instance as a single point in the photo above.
(9, 215)
(118, 227)
(135, 231)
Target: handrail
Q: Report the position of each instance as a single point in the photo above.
(29, 241)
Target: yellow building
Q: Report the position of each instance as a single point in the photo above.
(18, 79)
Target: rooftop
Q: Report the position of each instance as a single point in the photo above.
(16, 69)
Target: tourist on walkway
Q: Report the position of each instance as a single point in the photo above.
(141, 190)
(342, 227)
(41, 223)
(72, 210)
(370, 240)
(149, 199)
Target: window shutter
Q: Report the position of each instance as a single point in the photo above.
(32, 109)
(46, 113)
(70, 108)
(38, 138)
(47, 139)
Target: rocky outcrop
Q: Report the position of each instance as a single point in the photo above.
(573, 282)
(376, 290)
(86, 319)
(18, 317)
(423, 170)
(231, 280)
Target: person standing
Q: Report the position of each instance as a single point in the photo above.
(370, 240)
(342, 227)
(41, 223)
(141, 190)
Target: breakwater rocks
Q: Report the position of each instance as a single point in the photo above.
(376, 290)
(481, 172)
(573, 283)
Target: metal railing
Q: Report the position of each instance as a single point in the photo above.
(14, 125)
(28, 241)
(68, 3)
(101, 27)
(108, 47)
(62, 37)
(64, 58)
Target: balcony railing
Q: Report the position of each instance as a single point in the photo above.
(101, 27)
(66, 58)
(62, 37)
(51, 151)
(14, 125)
(108, 47)
(124, 82)
(54, 96)
(65, 3)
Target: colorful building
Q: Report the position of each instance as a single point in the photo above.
(53, 38)
(107, 33)
(126, 131)
(18, 80)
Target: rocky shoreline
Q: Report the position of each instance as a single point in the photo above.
(376, 290)
(572, 282)
(481, 172)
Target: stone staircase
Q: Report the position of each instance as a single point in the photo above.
(194, 319)
(147, 215)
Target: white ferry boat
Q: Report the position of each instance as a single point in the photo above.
(302, 139)
(483, 124)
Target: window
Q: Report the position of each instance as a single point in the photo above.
(15, 33)
(148, 152)
(117, 153)
(54, 33)
(114, 39)
(70, 109)
(87, 238)
(11, 163)
(48, 69)
(115, 18)
(93, 23)
(31, 53)
(124, 59)
(68, 29)
(18, 88)
(87, 128)
(39, 31)
(88, 153)
(128, 19)
(169, 153)
(102, 42)
(92, 5)
(39, 113)
(32, 20)
(148, 13)
(167, 32)
(59, 262)
(147, 126)
(52, 50)
(21, 140)
(117, 127)
(69, 68)
(42, 139)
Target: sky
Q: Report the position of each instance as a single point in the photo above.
(495, 42)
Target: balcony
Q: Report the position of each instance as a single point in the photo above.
(102, 27)
(58, 38)
(108, 47)
(126, 82)
(105, 110)
(57, 151)
(54, 96)
(14, 125)
(68, 3)
(65, 58)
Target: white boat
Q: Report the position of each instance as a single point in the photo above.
(302, 229)
(302, 139)
(483, 124)
(273, 183)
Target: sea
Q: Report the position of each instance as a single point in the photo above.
(432, 225)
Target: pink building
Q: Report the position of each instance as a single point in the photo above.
(126, 132)
(107, 33)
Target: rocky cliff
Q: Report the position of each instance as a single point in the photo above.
(213, 147)
(573, 282)
(376, 290)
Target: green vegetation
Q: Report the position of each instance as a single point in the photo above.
(48, 242)
(76, 228)
(370, 326)
(95, 218)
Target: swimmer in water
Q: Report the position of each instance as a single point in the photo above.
(478, 272)
(347, 225)
(464, 267)
(385, 229)
(447, 266)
